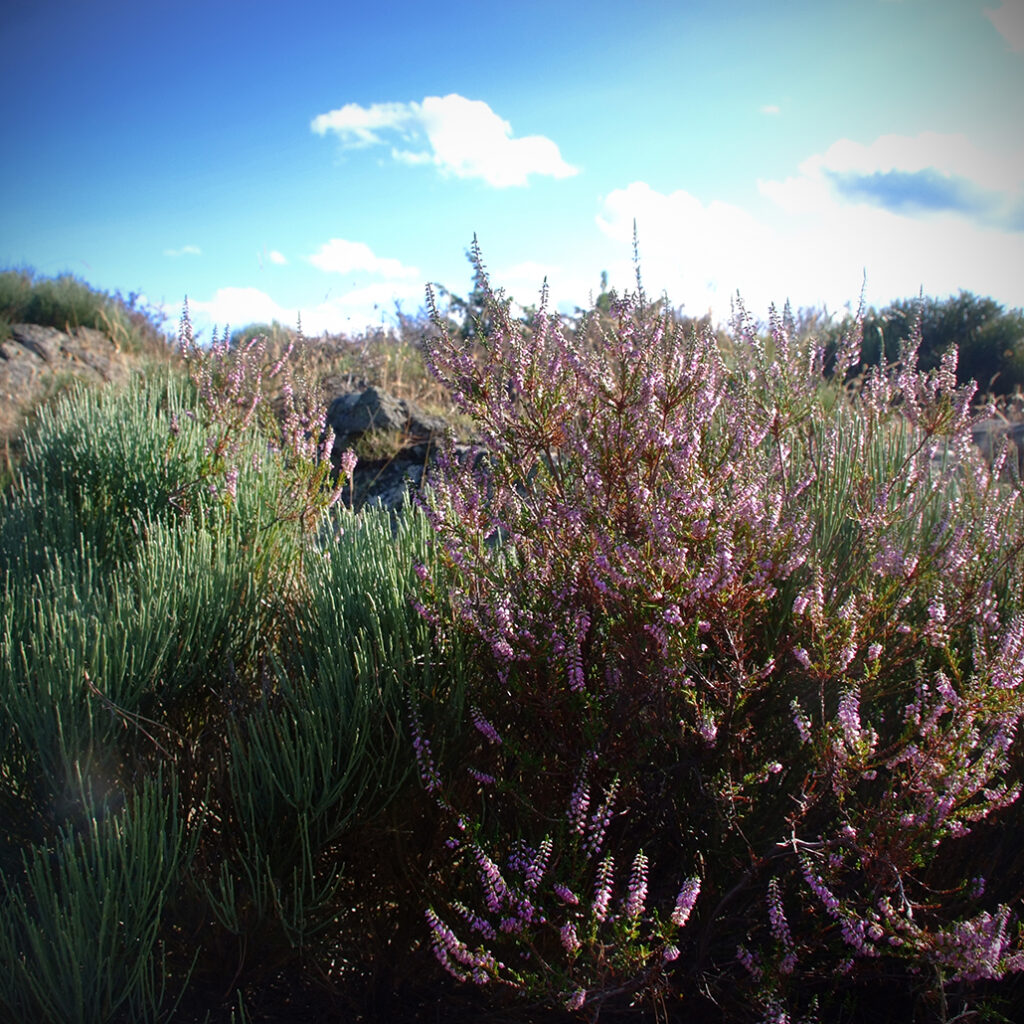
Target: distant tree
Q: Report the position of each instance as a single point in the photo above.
(472, 316)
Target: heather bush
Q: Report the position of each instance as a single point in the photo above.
(751, 650)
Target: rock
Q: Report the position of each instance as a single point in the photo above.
(988, 436)
(33, 359)
(354, 414)
(407, 436)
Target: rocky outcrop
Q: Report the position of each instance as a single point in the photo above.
(33, 359)
(358, 413)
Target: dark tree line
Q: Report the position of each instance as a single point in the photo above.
(990, 339)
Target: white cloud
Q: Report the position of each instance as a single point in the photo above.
(366, 304)
(236, 307)
(1009, 23)
(945, 153)
(523, 282)
(185, 250)
(923, 174)
(770, 108)
(462, 137)
(339, 256)
(275, 257)
(700, 253)
(348, 313)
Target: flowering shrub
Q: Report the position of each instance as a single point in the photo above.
(232, 383)
(751, 653)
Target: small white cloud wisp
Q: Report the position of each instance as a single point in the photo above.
(461, 137)
(185, 250)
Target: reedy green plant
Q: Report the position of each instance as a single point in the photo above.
(81, 937)
(152, 565)
(97, 462)
(327, 750)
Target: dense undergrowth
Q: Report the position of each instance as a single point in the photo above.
(695, 692)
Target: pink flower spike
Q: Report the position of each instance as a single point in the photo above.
(576, 1000)
(685, 902)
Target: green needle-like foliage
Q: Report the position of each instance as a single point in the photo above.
(81, 938)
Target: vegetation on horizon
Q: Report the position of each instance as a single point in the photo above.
(67, 302)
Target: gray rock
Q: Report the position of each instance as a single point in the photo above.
(988, 437)
(34, 357)
(354, 414)
(384, 482)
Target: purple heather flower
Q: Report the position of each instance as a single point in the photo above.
(801, 721)
(601, 819)
(819, 889)
(576, 1000)
(780, 926)
(570, 942)
(707, 727)
(749, 961)
(603, 888)
(671, 615)
(636, 894)
(565, 894)
(483, 726)
(538, 865)
(849, 715)
(685, 902)
(495, 890)
(578, 805)
(348, 463)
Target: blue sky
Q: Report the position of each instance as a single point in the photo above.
(331, 158)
